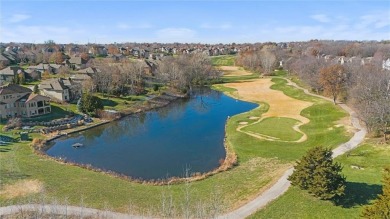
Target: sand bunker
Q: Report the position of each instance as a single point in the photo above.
(21, 188)
(231, 71)
(280, 105)
(243, 123)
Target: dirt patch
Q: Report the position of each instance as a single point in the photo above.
(233, 71)
(22, 188)
(254, 117)
(243, 123)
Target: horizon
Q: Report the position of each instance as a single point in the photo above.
(197, 22)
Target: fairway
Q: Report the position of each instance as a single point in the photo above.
(234, 71)
(223, 60)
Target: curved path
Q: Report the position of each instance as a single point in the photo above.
(246, 210)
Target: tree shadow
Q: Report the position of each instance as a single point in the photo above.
(357, 194)
(11, 175)
(3, 149)
(107, 102)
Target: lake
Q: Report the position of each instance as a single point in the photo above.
(161, 143)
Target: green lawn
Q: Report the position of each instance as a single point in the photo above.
(260, 162)
(120, 103)
(57, 111)
(363, 185)
(280, 128)
(223, 60)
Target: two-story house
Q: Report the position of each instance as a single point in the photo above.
(16, 100)
(60, 89)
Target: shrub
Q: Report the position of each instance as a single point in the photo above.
(155, 87)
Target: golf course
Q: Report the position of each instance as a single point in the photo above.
(266, 140)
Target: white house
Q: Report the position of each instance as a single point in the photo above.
(386, 64)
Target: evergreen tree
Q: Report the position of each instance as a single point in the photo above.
(381, 206)
(89, 104)
(36, 90)
(317, 174)
(22, 79)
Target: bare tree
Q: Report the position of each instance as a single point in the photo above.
(333, 79)
(267, 60)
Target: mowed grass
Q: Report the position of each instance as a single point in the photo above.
(277, 127)
(363, 185)
(223, 60)
(260, 163)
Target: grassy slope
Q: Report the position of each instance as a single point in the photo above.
(258, 162)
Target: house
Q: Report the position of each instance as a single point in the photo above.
(150, 67)
(366, 61)
(76, 62)
(386, 64)
(4, 61)
(58, 89)
(116, 57)
(32, 74)
(16, 100)
(89, 71)
(51, 68)
(9, 74)
(98, 51)
(79, 78)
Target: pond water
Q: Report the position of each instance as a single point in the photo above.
(160, 143)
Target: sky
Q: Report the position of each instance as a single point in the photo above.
(118, 21)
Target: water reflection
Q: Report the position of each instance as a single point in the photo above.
(161, 142)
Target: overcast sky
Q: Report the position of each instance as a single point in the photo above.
(216, 21)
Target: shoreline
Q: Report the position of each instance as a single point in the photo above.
(229, 161)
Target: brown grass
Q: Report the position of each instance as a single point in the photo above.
(21, 188)
(233, 71)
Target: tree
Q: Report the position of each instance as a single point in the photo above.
(21, 78)
(89, 104)
(317, 174)
(267, 60)
(333, 79)
(112, 49)
(380, 208)
(57, 57)
(46, 75)
(36, 90)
